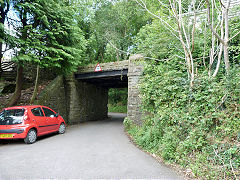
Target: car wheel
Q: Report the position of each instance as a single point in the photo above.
(31, 137)
(62, 128)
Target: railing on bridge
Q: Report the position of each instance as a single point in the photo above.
(8, 70)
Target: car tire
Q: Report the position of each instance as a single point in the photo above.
(31, 137)
(62, 128)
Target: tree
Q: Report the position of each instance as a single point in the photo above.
(4, 8)
(224, 37)
(180, 19)
(110, 27)
(48, 37)
(183, 24)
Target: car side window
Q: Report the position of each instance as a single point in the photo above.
(48, 112)
(1, 115)
(37, 111)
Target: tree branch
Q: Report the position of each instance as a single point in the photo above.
(210, 24)
(193, 30)
(222, 4)
(8, 7)
(234, 36)
(160, 60)
(163, 4)
(233, 169)
(178, 20)
(15, 20)
(223, 100)
(167, 26)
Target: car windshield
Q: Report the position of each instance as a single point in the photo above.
(11, 116)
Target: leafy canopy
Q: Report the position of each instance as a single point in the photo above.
(48, 35)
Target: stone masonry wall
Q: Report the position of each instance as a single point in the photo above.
(76, 101)
(135, 68)
(134, 73)
(86, 102)
(54, 97)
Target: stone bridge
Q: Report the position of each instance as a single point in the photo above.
(83, 95)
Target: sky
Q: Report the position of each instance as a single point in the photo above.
(10, 53)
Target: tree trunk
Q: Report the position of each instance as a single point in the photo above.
(220, 48)
(1, 56)
(117, 56)
(219, 61)
(19, 83)
(19, 80)
(35, 87)
(1, 44)
(226, 39)
(226, 58)
(4, 8)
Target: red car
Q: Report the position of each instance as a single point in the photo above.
(29, 122)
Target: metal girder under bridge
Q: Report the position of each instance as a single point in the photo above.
(108, 79)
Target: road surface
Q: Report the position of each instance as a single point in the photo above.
(91, 150)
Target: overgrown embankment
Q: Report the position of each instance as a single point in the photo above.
(26, 93)
(197, 128)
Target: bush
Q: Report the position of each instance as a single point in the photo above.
(199, 127)
(117, 100)
(118, 96)
(117, 108)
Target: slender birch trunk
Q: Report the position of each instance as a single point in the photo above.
(35, 87)
(226, 38)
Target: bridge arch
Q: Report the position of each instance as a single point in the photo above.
(83, 95)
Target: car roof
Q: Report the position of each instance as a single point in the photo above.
(24, 107)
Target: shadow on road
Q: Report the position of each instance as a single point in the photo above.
(20, 141)
(118, 117)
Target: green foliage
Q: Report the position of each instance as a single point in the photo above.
(234, 49)
(117, 108)
(197, 127)
(48, 35)
(118, 95)
(127, 123)
(192, 126)
(117, 100)
(154, 41)
(109, 27)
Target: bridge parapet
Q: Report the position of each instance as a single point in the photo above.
(110, 66)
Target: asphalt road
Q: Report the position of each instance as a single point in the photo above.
(92, 150)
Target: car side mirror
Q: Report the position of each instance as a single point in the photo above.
(56, 115)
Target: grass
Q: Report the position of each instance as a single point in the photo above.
(117, 108)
